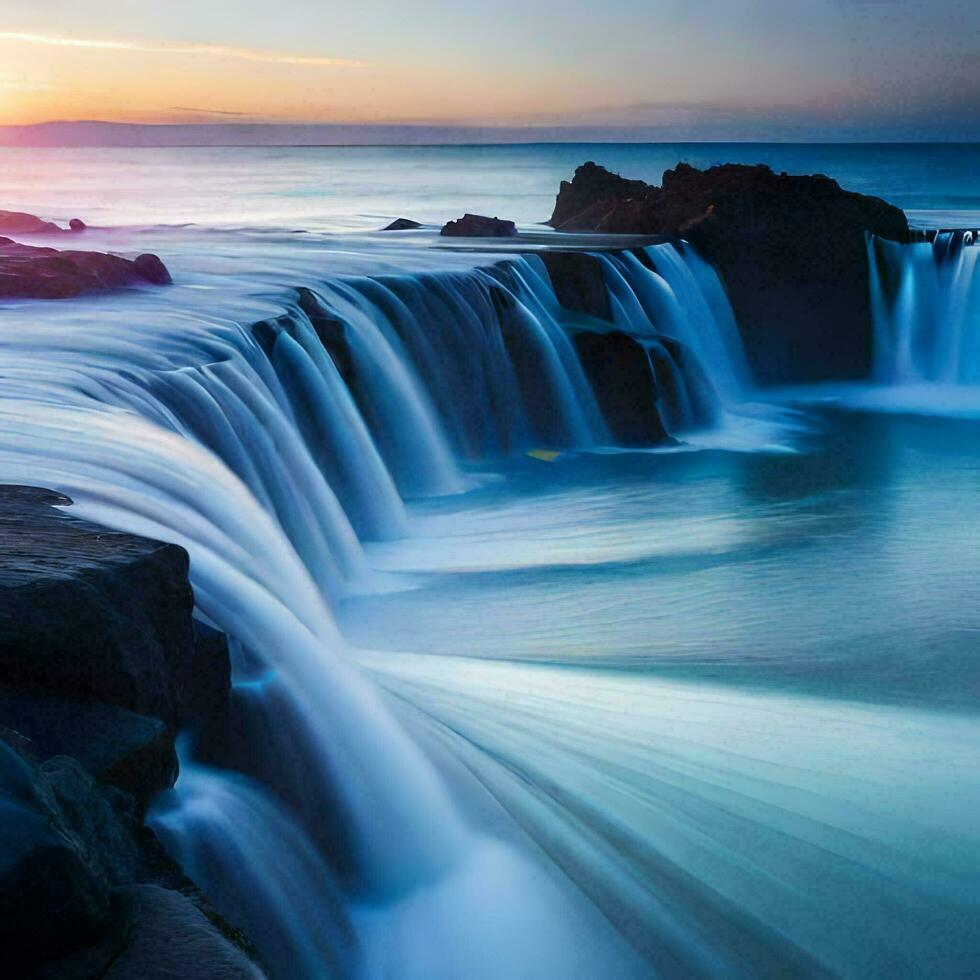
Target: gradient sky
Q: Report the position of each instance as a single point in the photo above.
(869, 65)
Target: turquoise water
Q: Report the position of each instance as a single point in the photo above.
(708, 711)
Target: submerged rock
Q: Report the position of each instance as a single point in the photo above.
(402, 224)
(479, 226)
(791, 251)
(32, 272)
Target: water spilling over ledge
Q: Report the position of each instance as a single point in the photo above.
(272, 452)
(478, 819)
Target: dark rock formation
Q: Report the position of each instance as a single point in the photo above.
(79, 892)
(96, 626)
(171, 937)
(19, 223)
(790, 250)
(402, 224)
(76, 224)
(625, 386)
(152, 269)
(578, 282)
(91, 614)
(332, 333)
(99, 656)
(118, 747)
(479, 226)
(30, 272)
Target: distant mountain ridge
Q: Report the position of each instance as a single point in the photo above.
(107, 134)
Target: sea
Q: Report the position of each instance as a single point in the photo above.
(553, 708)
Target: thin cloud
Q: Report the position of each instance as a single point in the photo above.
(212, 50)
(208, 112)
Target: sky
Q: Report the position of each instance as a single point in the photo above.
(677, 68)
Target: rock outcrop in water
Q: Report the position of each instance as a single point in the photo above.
(33, 272)
(479, 226)
(790, 249)
(99, 666)
(402, 224)
(21, 223)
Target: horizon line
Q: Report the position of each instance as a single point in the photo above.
(587, 134)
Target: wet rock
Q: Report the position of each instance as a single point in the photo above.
(332, 333)
(578, 282)
(54, 897)
(402, 224)
(20, 223)
(625, 386)
(152, 269)
(479, 226)
(84, 890)
(790, 250)
(171, 938)
(91, 614)
(594, 192)
(32, 272)
(116, 746)
(76, 224)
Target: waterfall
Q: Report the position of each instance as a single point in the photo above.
(271, 451)
(926, 310)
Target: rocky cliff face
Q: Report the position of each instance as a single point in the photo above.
(790, 250)
(100, 664)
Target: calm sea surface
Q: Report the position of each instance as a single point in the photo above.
(353, 188)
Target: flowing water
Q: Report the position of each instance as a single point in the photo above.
(706, 709)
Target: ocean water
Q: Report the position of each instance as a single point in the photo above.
(702, 711)
(359, 188)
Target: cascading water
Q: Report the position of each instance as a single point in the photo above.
(271, 453)
(926, 309)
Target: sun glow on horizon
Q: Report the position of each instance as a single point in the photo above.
(763, 69)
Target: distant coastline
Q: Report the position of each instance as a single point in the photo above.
(135, 135)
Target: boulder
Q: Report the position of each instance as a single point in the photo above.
(116, 746)
(170, 938)
(479, 226)
(791, 251)
(76, 224)
(32, 272)
(54, 893)
(19, 223)
(402, 224)
(152, 269)
(625, 386)
(85, 892)
(578, 282)
(91, 614)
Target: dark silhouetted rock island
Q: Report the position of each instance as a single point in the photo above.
(791, 251)
(31, 272)
(402, 224)
(479, 226)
